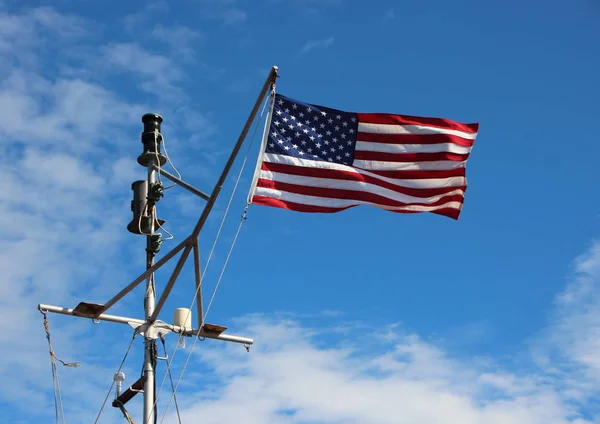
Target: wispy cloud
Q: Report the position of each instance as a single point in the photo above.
(572, 341)
(234, 16)
(389, 15)
(158, 71)
(180, 39)
(312, 8)
(290, 378)
(316, 44)
(38, 28)
(134, 20)
(226, 11)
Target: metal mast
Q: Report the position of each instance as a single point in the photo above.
(146, 194)
(150, 158)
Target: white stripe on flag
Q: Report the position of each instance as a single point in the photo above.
(411, 129)
(409, 183)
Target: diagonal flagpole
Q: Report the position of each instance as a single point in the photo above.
(263, 145)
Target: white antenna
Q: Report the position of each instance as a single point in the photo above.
(146, 194)
(119, 379)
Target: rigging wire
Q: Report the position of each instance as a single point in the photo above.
(58, 403)
(210, 255)
(208, 262)
(177, 173)
(164, 144)
(162, 339)
(113, 382)
(205, 314)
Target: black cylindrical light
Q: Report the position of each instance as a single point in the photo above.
(151, 139)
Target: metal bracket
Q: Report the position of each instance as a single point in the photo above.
(181, 183)
(154, 330)
(127, 395)
(87, 310)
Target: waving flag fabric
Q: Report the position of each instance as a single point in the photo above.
(318, 159)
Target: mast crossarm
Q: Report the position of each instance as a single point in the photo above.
(209, 331)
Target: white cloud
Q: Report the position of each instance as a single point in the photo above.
(316, 44)
(225, 11)
(579, 306)
(62, 25)
(138, 20)
(180, 39)
(34, 26)
(62, 113)
(158, 73)
(568, 349)
(312, 8)
(60, 139)
(289, 377)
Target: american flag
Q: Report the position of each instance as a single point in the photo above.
(319, 159)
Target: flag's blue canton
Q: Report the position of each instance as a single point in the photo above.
(312, 132)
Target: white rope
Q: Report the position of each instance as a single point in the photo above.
(155, 218)
(162, 339)
(208, 262)
(210, 255)
(58, 402)
(164, 143)
(225, 264)
(56, 386)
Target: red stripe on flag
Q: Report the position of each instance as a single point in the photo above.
(414, 138)
(392, 119)
(412, 174)
(300, 207)
(336, 193)
(420, 175)
(449, 212)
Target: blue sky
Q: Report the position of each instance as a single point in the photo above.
(362, 316)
